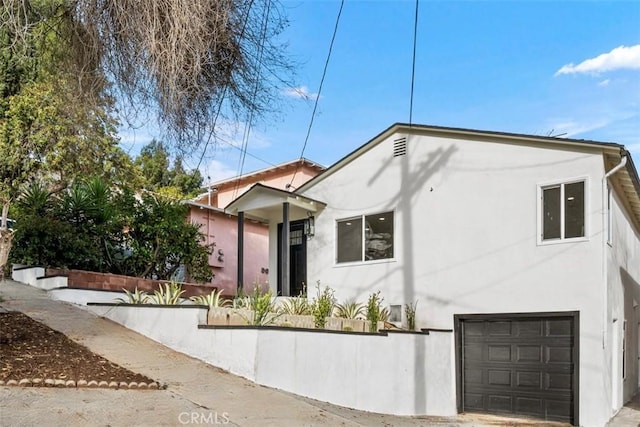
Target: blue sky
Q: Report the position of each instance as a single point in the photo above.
(534, 67)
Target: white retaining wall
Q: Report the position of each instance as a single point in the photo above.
(83, 296)
(28, 275)
(398, 373)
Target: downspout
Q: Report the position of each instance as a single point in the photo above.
(605, 233)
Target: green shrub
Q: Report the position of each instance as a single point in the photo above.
(263, 307)
(374, 311)
(410, 313)
(322, 306)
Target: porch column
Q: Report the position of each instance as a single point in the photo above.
(285, 259)
(240, 251)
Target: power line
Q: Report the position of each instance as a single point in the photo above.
(247, 129)
(413, 63)
(315, 105)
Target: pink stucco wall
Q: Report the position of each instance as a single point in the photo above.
(277, 179)
(223, 231)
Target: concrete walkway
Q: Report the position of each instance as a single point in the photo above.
(196, 393)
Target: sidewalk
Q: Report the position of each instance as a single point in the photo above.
(196, 393)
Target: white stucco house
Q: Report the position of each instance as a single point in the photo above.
(527, 248)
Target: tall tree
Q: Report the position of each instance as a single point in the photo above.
(48, 128)
(190, 61)
(162, 175)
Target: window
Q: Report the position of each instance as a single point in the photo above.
(563, 208)
(365, 238)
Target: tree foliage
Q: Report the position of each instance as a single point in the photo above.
(160, 176)
(191, 61)
(89, 227)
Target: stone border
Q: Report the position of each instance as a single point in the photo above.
(48, 382)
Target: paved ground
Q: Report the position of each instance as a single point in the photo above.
(196, 393)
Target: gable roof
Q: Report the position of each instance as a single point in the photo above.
(262, 202)
(612, 153)
(272, 170)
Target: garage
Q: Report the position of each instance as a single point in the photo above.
(523, 365)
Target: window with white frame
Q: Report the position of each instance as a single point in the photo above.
(563, 211)
(365, 238)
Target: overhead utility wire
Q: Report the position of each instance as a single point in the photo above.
(247, 128)
(413, 63)
(315, 105)
(224, 91)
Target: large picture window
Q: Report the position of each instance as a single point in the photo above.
(563, 211)
(365, 238)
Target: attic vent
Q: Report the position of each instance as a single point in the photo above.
(400, 146)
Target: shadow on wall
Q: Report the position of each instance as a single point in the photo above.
(631, 290)
(413, 179)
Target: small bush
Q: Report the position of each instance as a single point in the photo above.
(410, 313)
(263, 306)
(374, 311)
(323, 305)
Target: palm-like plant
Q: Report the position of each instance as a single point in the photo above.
(351, 309)
(168, 294)
(296, 306)
(135, 297)
(214, 299)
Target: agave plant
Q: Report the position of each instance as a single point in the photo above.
(168, 294)
(214, 299)
(296, 306)
(135, 297)
(350, 309)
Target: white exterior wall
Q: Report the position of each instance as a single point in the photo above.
(623, 286)
(466, 238)
(397, 374)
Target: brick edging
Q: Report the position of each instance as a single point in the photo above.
(48, 382)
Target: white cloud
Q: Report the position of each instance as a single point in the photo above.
(215, 171)
(301, 92)
(605, 82)
(622, 57)
(571, 128)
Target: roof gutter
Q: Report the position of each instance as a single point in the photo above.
(605, 242)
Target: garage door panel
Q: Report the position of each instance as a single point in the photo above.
(519, 366)
(499, 353)
(528, 353)
(557, 354)
(500, 403)
(559, 381)
(499, 377)
(499, 329)
(475, 401)
(528, 379)
(529, 328)
(559, 327)
(529, 406)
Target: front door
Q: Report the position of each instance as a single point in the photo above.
(297, 258)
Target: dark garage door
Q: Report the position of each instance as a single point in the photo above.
(521, 366)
